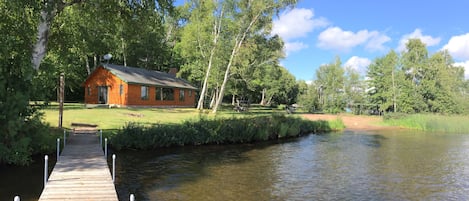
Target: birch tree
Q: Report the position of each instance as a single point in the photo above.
(250, 16)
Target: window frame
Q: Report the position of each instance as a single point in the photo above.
(182, 96)
(146, 90)
(166, 97)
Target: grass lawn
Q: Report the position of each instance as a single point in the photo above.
(116, 118)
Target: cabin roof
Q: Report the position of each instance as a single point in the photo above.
(142, 76)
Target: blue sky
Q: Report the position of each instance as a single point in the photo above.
(316, 31)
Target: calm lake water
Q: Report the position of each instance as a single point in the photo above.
(388, 165)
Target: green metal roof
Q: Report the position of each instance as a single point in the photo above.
(142, 76)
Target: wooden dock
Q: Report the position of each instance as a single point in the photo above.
(81, 173)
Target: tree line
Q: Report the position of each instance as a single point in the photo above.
(224, 47)
(408, 82)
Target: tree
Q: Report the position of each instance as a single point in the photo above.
(330, 81)
(20, 126)
(354, 88)
(308, 97)
(441, 84)
(48, 11)
(383, 82)
(261, 55)
(200, 40)
(414, 62)
(248, 17)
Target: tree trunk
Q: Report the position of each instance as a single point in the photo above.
(216, 32)
(88, 70)
(238, 43)
(43, 28)
(214, 97)
(263, 97)
(269, 102)
(48, 12)
(123, 52)
(233, 98)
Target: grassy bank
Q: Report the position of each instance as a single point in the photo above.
(217, 131)
(430, 122)
(116, 118)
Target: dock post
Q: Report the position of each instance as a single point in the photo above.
(58, 148)
(113, 168)
(105, 148)
(17, 198)
(132, 197)
(101, 138)
(65, 136)
(46, 161)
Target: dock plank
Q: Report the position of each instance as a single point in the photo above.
(81, 173)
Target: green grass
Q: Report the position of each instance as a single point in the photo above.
(116, 118)
(432, 123)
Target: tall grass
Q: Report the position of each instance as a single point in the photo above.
(431, 122)
(216, 131)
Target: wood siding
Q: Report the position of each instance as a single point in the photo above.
(135, 97)
(131, 95)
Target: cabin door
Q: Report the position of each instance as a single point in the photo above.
(102, 94)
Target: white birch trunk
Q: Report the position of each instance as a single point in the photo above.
(87, 64)
(216, 31)
(238, 43)
(43, 28)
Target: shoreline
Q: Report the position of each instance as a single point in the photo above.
(354, 122)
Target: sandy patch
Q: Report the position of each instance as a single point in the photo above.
(353, 122)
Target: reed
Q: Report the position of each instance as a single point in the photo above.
(217, 131)
(432, 123)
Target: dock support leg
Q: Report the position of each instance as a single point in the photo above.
(17, 198)
(113, 168)
(101, 138)
(132, 197)
(46, 169)
(58, 148)
(105, 148)
(65, 136)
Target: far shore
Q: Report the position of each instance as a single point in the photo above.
(354, 122)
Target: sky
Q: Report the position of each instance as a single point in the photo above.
(358, 31)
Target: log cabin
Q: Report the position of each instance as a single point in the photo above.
(121, 86)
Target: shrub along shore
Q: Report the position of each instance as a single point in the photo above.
(218, 131)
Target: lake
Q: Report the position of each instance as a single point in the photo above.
(351, 165)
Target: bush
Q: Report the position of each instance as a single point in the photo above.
(214, 131)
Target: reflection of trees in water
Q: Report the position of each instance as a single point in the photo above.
(389, 165)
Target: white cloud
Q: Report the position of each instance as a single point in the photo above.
(294, 47)
(360, 64)
(466, 68)
(417, 34)
(458, 46)
(335, 38)
(297, 23)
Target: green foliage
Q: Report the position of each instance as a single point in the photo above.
(216, 131)
(415, 83)
(21, 132)
(431, 122)
(330, 81)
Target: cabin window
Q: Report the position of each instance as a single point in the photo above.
(121, 89)
(144, 93)
(190, 93)
(158, 94)
(181, 95)
(168, 94)
(89, 91)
